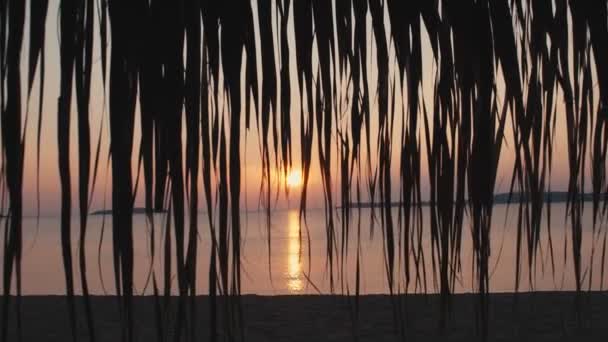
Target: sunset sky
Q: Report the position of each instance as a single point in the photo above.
(49, 177)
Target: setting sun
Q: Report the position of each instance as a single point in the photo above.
(294, 179)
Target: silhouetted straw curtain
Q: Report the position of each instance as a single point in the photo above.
(348, 74)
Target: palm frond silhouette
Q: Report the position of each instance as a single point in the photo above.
(198, 75)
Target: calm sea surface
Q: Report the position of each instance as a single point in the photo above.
(288, 269)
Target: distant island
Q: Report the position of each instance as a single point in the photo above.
(553, 197)
(136, 211)
(500, 198)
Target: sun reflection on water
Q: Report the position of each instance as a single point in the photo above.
(294, 262)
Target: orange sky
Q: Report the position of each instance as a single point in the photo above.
(49, 179)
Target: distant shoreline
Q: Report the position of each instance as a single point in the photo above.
(136, 211)
(500, 198)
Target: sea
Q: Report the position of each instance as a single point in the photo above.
(287, 254)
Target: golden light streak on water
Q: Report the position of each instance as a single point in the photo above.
(295, 282)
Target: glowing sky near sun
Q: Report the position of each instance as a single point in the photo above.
(251, 160)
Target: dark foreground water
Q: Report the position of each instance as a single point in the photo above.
(537, 317)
